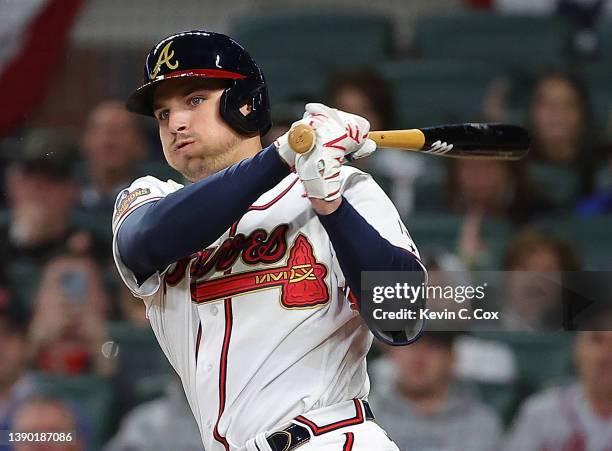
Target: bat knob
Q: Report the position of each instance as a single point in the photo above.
(302, 138)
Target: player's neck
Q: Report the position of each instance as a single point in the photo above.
(239, 151)
(246, 148)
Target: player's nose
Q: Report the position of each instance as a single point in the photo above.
(178, 121)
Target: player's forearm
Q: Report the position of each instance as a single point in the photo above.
(359, 247)
(193, 217)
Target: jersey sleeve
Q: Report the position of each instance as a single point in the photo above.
(371, 202)
(141, 192)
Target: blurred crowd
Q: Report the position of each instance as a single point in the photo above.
(78, 354)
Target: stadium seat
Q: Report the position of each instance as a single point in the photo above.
(23, 280)
(435, 233)
(91, 395)
(142, 367)
(430, 187)
(596, 77)
(502, 398)
(438, 233)
(528, 42)
(558, 183)
(543, 358)
(161, 170)
(317, 37)
(435, 92)
(97, 223)
(590, 236)
(292, 79)
(605, 40)
(603, 179)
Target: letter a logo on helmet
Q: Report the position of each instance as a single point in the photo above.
(208, 55)
(164, 58)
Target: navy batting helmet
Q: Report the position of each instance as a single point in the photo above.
(210, 55)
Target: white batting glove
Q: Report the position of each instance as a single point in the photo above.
(340, 136)
(340, 130)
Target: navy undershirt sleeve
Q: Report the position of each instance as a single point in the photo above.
(188, 220)
(359, 247)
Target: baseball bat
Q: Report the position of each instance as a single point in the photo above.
(484, 141)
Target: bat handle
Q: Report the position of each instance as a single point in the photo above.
(302, 138)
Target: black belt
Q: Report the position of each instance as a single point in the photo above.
(296, 435)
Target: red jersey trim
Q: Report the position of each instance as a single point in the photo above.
(348, 444)
(224, 353)
(273, 201)
(318, 430)
(198, 339)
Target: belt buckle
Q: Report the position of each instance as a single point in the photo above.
(289, 438)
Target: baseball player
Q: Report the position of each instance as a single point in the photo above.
(251, 274)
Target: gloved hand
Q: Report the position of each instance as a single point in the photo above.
(340, 137)
(283, 148)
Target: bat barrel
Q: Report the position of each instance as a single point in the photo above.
(500, 141)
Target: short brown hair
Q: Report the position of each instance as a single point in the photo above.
(529, 239)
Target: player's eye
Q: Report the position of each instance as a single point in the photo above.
(162, 115)
(197, 100)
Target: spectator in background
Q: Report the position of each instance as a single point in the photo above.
(573, 418)
(68, 326)
(113, 147)
(494, 188)
(421, 408)
(562, 128)
(367, 94)
(481, 189)
(164, 424)
(41, 195)
(534, 303)
(16, 384)
(364, 93)
(48, 414)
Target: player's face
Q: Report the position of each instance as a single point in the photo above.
(196, 140)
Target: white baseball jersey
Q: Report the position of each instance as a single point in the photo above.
(258, 324)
